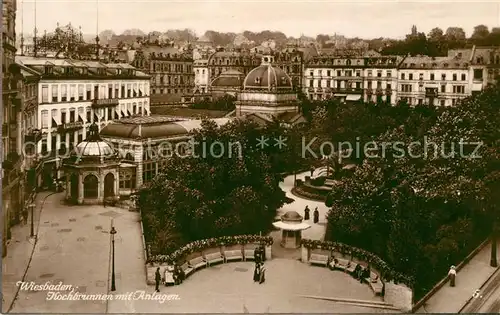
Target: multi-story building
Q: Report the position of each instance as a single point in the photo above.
(381, 79)
(172, 75)
(201, 82)
(74, 94)
(222, 61)
(12, 155)
(291, 60)
(326, 77)
(440, 81)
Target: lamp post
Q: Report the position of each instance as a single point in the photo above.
(32, 210)
(113, 232)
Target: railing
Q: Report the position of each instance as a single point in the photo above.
(99, 103)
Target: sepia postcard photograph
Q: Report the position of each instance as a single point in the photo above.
(225, 156)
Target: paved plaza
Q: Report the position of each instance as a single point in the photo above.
(74, 248)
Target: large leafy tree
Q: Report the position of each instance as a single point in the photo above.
(212, 193)
(426, 210)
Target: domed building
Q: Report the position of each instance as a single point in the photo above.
(92, 171)
(268, 93)
(227, 83)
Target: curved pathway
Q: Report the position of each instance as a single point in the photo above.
(316, 232)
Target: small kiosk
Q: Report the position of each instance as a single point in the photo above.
(291, 225)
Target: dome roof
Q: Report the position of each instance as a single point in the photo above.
(267, 77)
(230, 78)
(291, 216)
(94, 146)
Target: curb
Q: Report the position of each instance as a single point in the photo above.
(480, 288)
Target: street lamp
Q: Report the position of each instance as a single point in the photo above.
(32, 210)
(113, 232)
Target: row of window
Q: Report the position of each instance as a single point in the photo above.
(86, 92)
(339, 73)
(456, 89)
(171, 91)
(171, 67)
(174, 80)
(337, 84)
(428, 101)
(83, 115)
(432, 77)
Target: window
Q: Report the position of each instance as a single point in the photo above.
(72, 115)
(464, 77)
(406, 87)
(129, 90)
(54, 93)
(389, 73)
(421, 76)
(432, 76)
(369, 73)
(72, 92)
(127, 179)
(459, 89)
(442, 102)
(311, 73)
(402, 76)
(53, 115)
(45, 118)
(478, 74)
(358, 73)
(63, 116)
(454, 77)
(443, 88)
(149, 171)
(64, 93)
(379, 74)
(80, 92)
(327, 83)
(116, 91)
(88, 114)
(89, 92)
(319, 83)
(339, 73)
(328, 73)
(389, 86)
(44, 146)
(45, 93)
(410, 76)
(420, 101)
(110, 90)
(443, 76)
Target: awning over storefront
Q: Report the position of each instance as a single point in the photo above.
(340, 95)
(353, 97)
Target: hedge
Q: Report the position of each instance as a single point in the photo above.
(201, 245)
(386, 272)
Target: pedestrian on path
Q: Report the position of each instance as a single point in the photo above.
(306, 213)
(256, 273)
(316, 215)
(256, 255)
(452, 274)
(157, 279)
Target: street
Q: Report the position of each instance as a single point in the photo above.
(486, 299)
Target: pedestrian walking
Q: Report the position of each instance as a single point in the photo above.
(316, 215)
(452, 274)
(306, 213)
(256, 273)
(157, 279)
(256, 255)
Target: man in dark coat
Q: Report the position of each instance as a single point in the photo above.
(316, 215)
(256, 273)
(306, 213)
(256, 255)
(157, 279)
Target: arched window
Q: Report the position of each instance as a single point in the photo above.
(90, 186)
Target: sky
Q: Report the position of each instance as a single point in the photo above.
(364, 19)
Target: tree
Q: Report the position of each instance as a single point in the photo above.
(480, 33)
(204, 195)
(436, 35)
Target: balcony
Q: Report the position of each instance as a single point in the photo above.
(101, 103)
(431, 93)
(76, 125)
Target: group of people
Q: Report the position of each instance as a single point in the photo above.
(173, 275)
(361, 273)
(315, 214)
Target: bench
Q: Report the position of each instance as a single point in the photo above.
(317, 259)
(341, 264)
(376, 286)
(197, 263)
(233, 255)
(248, 254)
(187, 269)
(214, 258)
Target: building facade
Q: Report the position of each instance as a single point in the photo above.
(438, 81)
(201, 82)
(171, 71)
(74, 94)
(327, 77)
(222, 61)
(381, 79)
(12, 157)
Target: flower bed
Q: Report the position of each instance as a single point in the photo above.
(201, 245)
(386, 272)
(301, 192)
